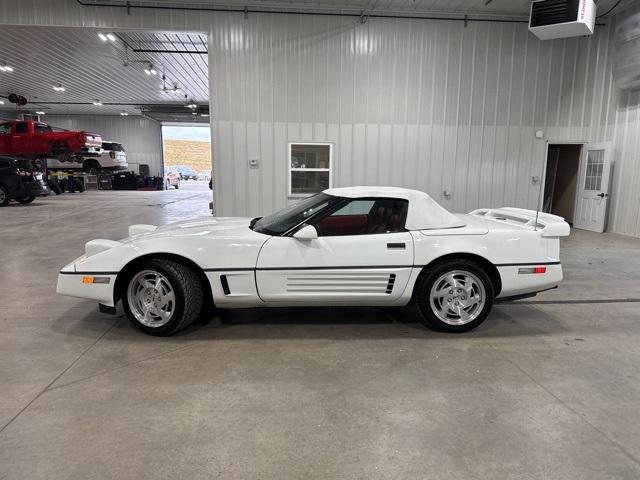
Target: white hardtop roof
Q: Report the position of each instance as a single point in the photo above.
(424, 212)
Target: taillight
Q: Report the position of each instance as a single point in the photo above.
(532, 270)
(112, 154)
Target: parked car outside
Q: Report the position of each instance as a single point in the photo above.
(204, 176)
(171, 178)
(187, 173)
(111, 156)
(20, 181)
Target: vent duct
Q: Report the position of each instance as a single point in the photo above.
(552, 19)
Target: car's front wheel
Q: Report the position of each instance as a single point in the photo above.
(454, 296)
(162, 297)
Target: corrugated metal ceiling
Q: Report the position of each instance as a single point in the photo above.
(111, 72)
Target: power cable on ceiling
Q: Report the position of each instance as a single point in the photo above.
(610, 10)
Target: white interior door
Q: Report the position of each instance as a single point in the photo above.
(593, 187)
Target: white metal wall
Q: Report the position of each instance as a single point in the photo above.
(626, 179)
(425, 104)
(428, 104)
(140, 137)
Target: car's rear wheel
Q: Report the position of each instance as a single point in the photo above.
(163, 297)
(454, 296)
(25, 200)
(91, 166)
(4, 196)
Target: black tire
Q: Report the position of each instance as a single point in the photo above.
(78, 186)
(4, 196)
(177, 185)
(428, 310)
(26, 200)
(55, 187)
(62, 184)
(91, 166)
(187, 289)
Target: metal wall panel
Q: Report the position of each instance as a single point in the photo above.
(432, 105)
(140, 137)
(428, 104)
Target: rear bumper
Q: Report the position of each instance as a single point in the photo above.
(72, 285)
(29, 189)
(516, 284)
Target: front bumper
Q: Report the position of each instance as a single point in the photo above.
(74, 284)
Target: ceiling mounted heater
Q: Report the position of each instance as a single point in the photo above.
(562, 18)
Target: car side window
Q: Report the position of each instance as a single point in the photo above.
(21, 127)
(365, 217)
(43, 128)
(5, 129)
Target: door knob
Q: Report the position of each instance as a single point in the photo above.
(602, 195)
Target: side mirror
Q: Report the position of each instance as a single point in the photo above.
(308, 232)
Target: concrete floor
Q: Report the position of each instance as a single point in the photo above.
(542, 390)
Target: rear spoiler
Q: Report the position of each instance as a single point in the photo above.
(548, 225)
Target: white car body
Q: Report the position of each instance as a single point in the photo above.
(245, 268)
(110, 157)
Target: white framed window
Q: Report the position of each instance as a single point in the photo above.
(310, 168)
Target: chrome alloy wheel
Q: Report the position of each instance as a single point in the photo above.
(151, 298)
(457, 297)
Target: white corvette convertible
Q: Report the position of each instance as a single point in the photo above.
(345, 246)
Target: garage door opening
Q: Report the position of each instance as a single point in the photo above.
(118, 84)
(187, 152)
(561, 179)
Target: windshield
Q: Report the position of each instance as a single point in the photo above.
(116, 147)
(287, 218)
(25, 164)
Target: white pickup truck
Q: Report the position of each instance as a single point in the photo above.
(110, 157)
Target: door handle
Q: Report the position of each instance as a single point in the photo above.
(396, 246)
(602, 195)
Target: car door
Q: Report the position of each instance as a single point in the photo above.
(362, 256)
(20, 139)
(5, 137)
(40, 139)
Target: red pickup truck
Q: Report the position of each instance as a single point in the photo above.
(35, 139)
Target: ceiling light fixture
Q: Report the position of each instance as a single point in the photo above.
(59, 88)
(5, 68)
(111, 37)
(193, 106)
(124, 114)
(39, 113)
(1, 102)
(97, 103)
(204, 114)
(103, 37)
(150, 70)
